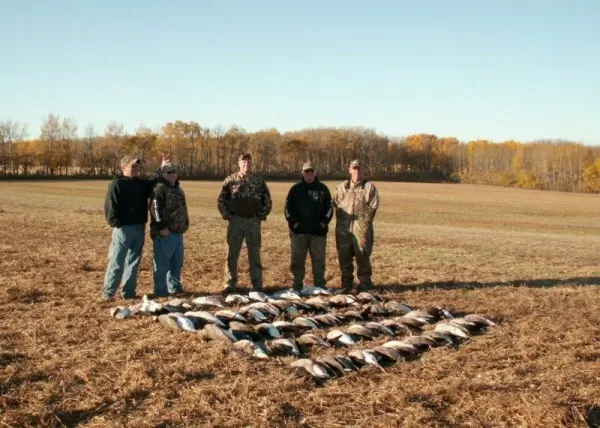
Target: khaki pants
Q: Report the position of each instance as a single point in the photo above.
(355, 245)
(240, 228)
(302, 243)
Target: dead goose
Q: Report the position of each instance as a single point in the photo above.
(342, 300)
(387, 354)
(289, 328)
(253, 314)
(327, 320)
(398, 328)
(307, 322)
(380, 328)
(227, 315)
(207, 302)
(421, 342)
(479, 320)
(286, 295)
(452, 329)
(441, 339)
(366, 297)
(149, 307)
(251, 348)
(121, 312)
(243, 331)
(214, 332)
(258, 296)
(332, 364)
(265, 308)
(360, 332)
(308, 366)
(307, 340)
(351, 315)
(169, 321)
(339, 338)
(421, 315)
(237, 298)
(365, 357)
(414, 323)
(318, 300)
(206, 316)
(268, 331)
(283, 347)
(313, 291)
(397, 307)
(177, 321)
(470, 326)
(347, 362)
(405, 349)
(374, 309)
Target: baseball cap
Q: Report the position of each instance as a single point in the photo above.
(307, 165)
(129, 160)
(169, 167)
(355, 164)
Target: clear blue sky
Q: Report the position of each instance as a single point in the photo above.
(464, 68)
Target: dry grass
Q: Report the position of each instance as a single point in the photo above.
(528, 259)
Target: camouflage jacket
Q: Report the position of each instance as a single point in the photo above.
(355, 202)
(168, 209)
(245, 196)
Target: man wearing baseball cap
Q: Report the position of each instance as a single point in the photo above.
(126, 211)
(308, 211)
(356, 201)
(245, 202)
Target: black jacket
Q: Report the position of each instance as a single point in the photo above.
(126, 201)
(309, 205)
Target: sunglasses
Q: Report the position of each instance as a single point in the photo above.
(171, 172)
(309, 171)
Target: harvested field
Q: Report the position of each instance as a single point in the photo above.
(527, 259)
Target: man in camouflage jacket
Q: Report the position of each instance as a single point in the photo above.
(356, 201)
(169, 221)
(244, 202)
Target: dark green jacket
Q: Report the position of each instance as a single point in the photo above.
(168, 209)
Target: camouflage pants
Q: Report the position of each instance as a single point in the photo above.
(315, 245)
(240, 228)
(351, 245)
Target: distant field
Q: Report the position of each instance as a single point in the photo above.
(528, 259)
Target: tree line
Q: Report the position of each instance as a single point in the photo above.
(204, 152)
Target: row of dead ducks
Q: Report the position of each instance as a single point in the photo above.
(258, 307)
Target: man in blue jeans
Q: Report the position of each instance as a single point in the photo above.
(126, 211)
(169, 220)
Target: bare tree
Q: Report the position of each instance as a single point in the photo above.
(10, 133)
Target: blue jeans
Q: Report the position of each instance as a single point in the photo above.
(168, 262)
(124, 257)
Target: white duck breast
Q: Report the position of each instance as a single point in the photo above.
(237, 298)
(208, 301)
(340, 338)
(207, 316)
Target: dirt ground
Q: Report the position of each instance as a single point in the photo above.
(526, 259)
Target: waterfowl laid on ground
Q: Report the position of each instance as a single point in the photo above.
(267, 331)
(227, 315)
(313, 291)
(378, 327)
(306, 366)
(398, 308)
(254, 349)
(479, 320)
(366, 297)
(258, 296)
(339, 338)
(452, 329)
(121, 312)
(360, 332)
(214, 332)
(206, 316)
(237, 299)
(208, 302)
(283, 347)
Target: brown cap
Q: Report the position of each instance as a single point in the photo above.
(355, 164)
(245, 156)
(307, 165)
(129, 160)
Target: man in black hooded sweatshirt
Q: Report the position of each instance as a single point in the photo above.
(308, 211)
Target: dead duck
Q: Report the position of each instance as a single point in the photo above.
(387, 354)
(380, 328)
(207, 302)
(480, 320)
(332, 364)
(341, 300)
(243, 331)
(283, 347)
(258, 296)
(308, 340)
(287, 327)
(361, 332)
(452, 329)
(366, 297)
(227, 315)
(398, 328)
(327, 320)
(149, 307)
(313, 291)
(339, 338)
(121, 312)
(216, 333)
(351, 315)
(177, 321)
(306, 366)
(307, 322)
(365, 357)
(254, 349)
(286, 295)
(237, 299)
(397, 307)
(441, 339)
(267, 331)
(420, 342)
(254, 315)
(206, 316)
(406, 349)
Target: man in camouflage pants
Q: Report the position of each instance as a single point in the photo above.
(308, 211)
(356, 201)
(169, 221)
(244, 201)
